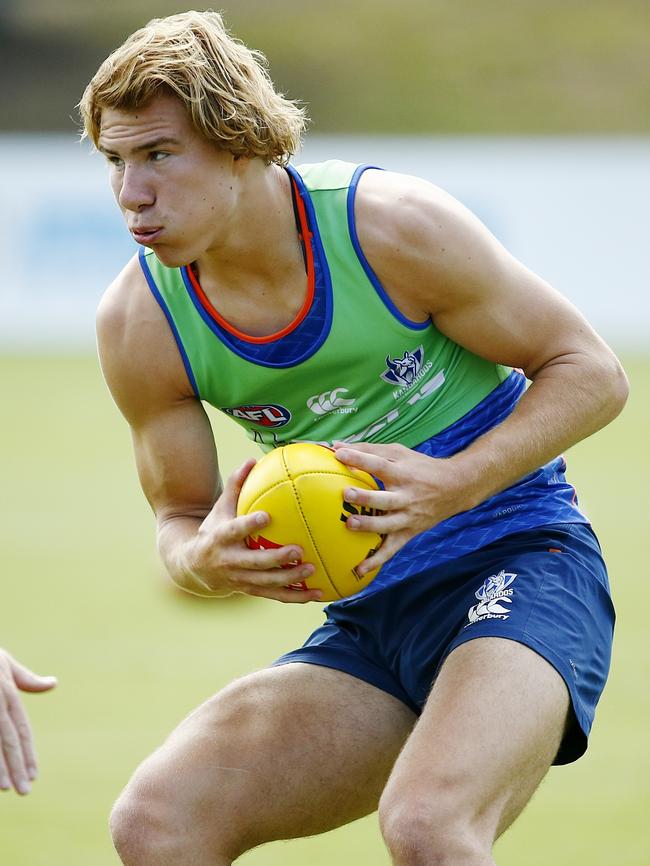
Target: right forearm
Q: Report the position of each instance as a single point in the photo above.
(206, 553)
(175, 542)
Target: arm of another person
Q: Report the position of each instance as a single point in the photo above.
(200, 538)
(18, 767)
(437, 259)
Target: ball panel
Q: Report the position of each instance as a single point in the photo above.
(267, 473)
(288, 526)
(305, 457)
(339, 549)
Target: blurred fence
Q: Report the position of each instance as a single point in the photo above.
(573, 209)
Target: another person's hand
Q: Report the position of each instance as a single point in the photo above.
(17, 757)
(220, 560)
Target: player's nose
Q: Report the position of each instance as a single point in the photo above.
(134, 192)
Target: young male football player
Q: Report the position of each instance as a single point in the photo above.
(443, 692)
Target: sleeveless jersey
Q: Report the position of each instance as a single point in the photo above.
(352, 367)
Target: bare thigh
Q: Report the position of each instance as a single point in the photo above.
(487, 736)
(289, 751)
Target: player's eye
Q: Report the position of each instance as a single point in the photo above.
(115, 160)
(157, 155)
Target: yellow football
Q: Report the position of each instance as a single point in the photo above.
(301, 487)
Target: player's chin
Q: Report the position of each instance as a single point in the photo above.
(169, 256)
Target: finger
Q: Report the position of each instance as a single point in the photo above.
(284, 594)
(227, 502)
(28, 681)
(380, 500)
(260, 559)
(371, 462)
(389, 452)
(380, 557)
(273, 578)
(382, 524)
(24, 731)
(12, 751)
(239, 528)
(5, 781)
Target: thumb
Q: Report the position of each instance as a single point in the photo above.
(233, 486)
(28, 681)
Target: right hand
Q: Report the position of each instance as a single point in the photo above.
(218, 558)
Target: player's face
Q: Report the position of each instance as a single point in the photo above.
(175, 189)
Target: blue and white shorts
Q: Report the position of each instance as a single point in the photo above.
(546, 588)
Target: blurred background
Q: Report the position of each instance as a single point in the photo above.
(537, 117)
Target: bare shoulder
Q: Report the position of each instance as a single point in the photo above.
(119, 302)
(406, 202)
(420, 240)
(139, 356)
(435, 257)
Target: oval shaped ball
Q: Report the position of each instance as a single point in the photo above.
(301, 487)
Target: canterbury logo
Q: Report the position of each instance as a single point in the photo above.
(330, 401)
(494, 598)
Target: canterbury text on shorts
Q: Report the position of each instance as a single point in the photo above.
(546, 588)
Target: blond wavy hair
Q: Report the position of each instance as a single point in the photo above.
(224, 86)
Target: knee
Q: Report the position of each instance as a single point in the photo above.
(149, 825)
(430, 826)
(138, 828)
(180, 786)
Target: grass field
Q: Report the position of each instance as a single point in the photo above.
(83, 597)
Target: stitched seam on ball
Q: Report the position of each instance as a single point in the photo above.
(262, 493)
(336, 473)
(272, 486)
(358, 481)
(304, 519)
(309, 532)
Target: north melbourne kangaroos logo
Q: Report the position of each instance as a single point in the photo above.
(402, 371)
(267, 415)
(494, 598)
(406, 371)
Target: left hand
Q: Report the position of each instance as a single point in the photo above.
(419, 492)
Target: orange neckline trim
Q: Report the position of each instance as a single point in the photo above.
(306, 236)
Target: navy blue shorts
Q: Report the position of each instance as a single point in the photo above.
(546, 588)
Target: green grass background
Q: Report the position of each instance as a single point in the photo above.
(83, 596)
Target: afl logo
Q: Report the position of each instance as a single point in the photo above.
(266, 415)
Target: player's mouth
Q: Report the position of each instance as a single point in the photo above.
(146, 234)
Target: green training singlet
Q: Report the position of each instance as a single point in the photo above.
(350, 367)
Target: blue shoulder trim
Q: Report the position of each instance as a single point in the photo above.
(155, 291)
(372, 276)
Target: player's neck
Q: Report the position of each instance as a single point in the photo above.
(258, 246)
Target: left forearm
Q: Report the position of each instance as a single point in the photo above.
(571, 397)
(568, 400)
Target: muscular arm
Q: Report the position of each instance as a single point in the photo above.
(200, 539)
(435, 258)
(174, 450)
